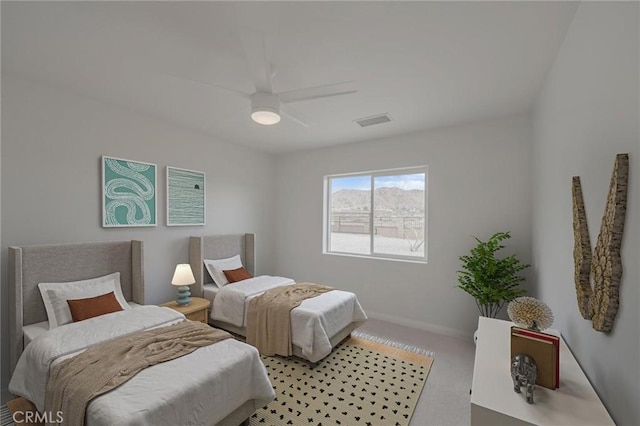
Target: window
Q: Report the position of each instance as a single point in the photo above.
(379, 214)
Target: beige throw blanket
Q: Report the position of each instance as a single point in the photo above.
(74, 382)
(269, 316)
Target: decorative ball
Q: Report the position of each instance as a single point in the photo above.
(524, 310)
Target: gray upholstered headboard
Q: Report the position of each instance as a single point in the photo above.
(31, 265)
(220, 247)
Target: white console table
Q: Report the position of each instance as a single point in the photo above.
(493, 401)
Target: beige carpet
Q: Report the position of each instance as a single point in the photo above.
(360, 383)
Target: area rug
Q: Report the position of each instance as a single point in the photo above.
(362, 382)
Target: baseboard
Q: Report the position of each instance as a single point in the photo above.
(5, 396)
(420, 325)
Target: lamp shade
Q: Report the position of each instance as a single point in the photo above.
(183, 275)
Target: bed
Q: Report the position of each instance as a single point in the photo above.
(317, 325)
(222, 384)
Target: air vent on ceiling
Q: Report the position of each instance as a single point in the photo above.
(374, 119)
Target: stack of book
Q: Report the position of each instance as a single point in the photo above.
(544, 349)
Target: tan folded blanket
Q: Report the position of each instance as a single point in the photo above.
(74, 382)
(269, 316)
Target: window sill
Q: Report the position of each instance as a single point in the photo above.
(363, 256)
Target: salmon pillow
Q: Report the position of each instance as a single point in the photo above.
(236, 275)
(82, 309)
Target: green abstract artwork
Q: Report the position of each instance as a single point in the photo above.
(185, 197)
(128, 193)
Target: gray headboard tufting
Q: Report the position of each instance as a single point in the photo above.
(220, 247)
(31, 265)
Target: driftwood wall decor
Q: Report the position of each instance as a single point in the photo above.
(601, 304)
(581, 250)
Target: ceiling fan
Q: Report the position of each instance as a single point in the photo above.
(267, 106)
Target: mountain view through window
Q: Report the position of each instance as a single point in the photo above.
(379, 214)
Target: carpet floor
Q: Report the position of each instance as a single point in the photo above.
(361, 382)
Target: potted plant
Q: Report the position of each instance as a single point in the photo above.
(491, 281)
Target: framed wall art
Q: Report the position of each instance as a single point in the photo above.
(185, 197)
(128, 193)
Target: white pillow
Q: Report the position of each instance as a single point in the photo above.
(55, 296)
(216, 268)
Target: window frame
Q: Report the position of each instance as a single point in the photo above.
(326, 228)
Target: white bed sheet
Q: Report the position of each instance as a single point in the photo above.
(313, 322)
(210, 291)
(232, 300)
(32, 331)
(201, 388)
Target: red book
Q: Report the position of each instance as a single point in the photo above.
(543, 336)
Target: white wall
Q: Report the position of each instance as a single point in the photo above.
(478, 183)
(3, 291)
(51, 155)
(586, 114)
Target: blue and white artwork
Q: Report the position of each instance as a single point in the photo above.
(185, 197)
(128, 193)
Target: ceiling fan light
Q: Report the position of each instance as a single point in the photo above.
(265, 108)
(265, 117)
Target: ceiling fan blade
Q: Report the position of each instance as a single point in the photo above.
(244, 95)
(324, 91)
(256, 50)
(242, 111)
(294, 116)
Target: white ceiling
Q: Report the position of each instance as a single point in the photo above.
(427, 64)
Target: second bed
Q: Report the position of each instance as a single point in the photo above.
(317, 325)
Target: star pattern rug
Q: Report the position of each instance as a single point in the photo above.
(360, 383)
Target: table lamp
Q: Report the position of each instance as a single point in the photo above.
(183, 278)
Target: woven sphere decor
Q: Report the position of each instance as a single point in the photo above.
(524, 310)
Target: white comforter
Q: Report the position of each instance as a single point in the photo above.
(201, 388)
(313, 323)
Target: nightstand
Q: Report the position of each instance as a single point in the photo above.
(196, 310)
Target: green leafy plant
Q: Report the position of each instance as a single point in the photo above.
(491, 281)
